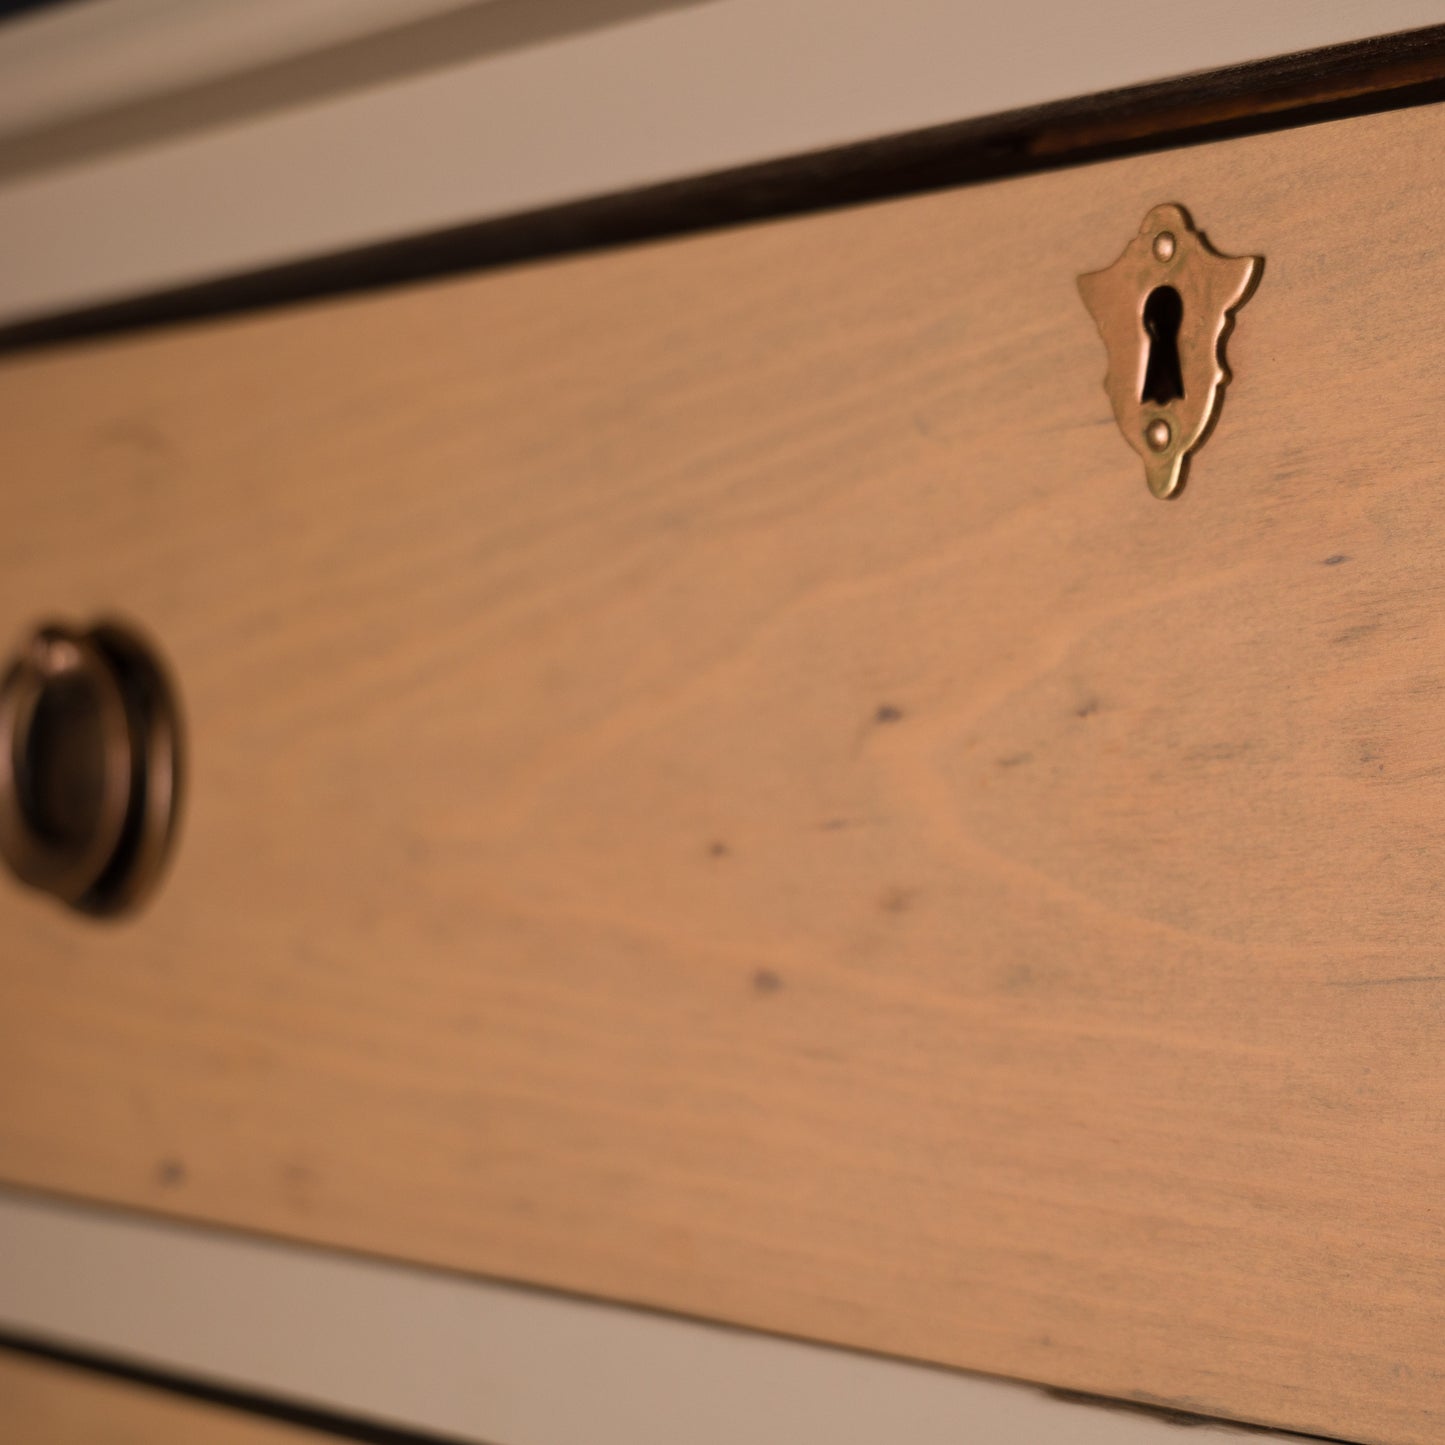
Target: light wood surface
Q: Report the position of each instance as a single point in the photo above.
(48, 1404)
(715, 784)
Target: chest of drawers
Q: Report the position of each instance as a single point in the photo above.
(713, 784)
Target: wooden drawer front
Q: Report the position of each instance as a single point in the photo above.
(46, 1404)
(715, 784)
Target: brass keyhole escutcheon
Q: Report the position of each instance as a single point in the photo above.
(90, 766)
(1163, 309)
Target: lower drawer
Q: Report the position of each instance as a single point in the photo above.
(47, 1404)
(714, 784)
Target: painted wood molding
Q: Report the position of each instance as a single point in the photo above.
(80, 59)
(490, 1362)
(664, 93)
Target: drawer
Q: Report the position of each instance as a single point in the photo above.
(714, 784)
(50, 1404)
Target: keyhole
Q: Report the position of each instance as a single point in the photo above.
(1163, 378)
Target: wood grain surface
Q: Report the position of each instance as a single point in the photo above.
(48, 1404)
(714, 784)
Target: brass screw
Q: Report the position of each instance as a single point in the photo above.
(1164, 246)
(54, 654)
(1157, 434)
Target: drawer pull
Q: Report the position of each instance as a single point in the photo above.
(89, 766)
(1164, 308)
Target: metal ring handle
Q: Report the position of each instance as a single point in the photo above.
(64, 861)
(90, 766)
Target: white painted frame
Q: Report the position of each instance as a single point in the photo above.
(489, 1362)
(697, 86)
